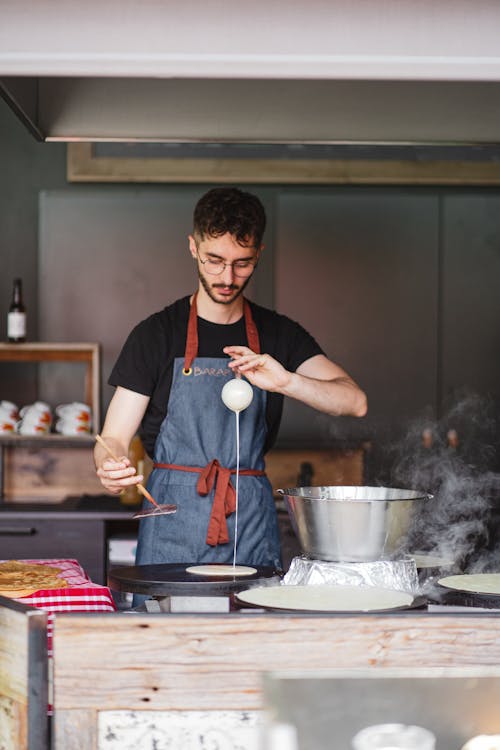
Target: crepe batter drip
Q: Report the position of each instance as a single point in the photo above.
(237, 394)
(237, 484)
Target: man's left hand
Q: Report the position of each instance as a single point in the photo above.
(261, 370)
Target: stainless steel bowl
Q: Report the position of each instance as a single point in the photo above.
(351, 524)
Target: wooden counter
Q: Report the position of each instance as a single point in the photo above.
(110, 666)
(210, 662)
(216, 663)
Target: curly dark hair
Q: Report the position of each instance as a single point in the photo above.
(228, 209)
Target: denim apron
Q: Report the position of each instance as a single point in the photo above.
(194, 467)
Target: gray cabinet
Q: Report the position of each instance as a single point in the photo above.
(78, 539)
(54, 534)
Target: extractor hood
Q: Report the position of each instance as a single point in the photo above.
(321, 71)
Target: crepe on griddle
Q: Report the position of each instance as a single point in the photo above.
(326, 598)
(18, 579)
(476, 583)
(221, 570)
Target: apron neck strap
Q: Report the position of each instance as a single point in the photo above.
(251, 328)
(192, 337)
(191, 350)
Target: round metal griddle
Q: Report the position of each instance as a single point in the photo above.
(463, 598)
(470, 599)
(174, 580)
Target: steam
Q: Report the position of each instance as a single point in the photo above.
(453, 458)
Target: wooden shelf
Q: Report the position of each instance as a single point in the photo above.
(46, 473)
(51, 439)
(86, 353)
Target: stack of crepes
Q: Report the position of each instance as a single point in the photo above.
(20, 578)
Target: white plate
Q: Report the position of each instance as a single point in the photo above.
(326, 598)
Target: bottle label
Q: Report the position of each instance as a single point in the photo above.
(16, 325)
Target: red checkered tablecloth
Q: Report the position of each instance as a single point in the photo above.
(80, 595)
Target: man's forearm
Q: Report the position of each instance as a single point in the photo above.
(337, 397)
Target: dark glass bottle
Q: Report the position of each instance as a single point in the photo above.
(16, 317)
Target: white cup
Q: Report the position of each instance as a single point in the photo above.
(393, 737)
(9, 409)
(36, 414)
(32, 428)
(483, 742)
(75, 409)
(7, 424)
(70, 426)
(36, 419)
(39, 406)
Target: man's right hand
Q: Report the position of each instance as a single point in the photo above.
(115, 476)
(122, 421)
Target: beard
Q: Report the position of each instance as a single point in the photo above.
(209, 288)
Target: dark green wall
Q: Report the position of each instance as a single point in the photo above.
(26, 167)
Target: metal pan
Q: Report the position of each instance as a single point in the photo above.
(351, 523)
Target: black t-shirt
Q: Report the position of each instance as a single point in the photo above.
(145, 364)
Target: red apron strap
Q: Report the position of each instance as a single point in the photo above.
(251, 329)
(224, 500)
(192, 337)
(191, 350)
(225, 496)
(198, 469)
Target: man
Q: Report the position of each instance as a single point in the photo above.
(169, 377)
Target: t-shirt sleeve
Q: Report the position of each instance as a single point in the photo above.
(137, 365)
(301, 345)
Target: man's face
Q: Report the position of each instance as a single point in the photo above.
(224, 266)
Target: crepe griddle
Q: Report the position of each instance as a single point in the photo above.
(462, 598)
(172, 579)
(431, 566)
(470, 599)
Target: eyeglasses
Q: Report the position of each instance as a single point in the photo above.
(215, 267)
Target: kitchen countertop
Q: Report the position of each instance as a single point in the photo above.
(88, 506)
(112, 665)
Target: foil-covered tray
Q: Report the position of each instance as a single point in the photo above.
(399, 575)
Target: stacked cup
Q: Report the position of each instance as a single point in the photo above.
(36, 419)
(73, 419)
(9, 417)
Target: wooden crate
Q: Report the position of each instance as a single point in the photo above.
(23, 677)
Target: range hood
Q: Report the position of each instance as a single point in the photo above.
(324, 71)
